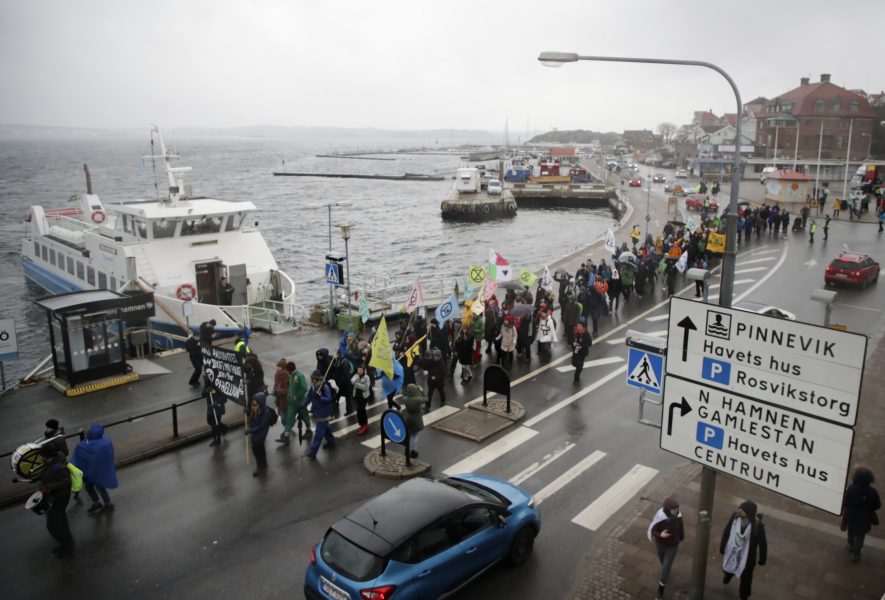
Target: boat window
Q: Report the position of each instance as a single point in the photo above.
(90, 275)
(140, 228)
(234, 222)
(44, 253)
(127, 226)
(36, 249)
(102, 281)
(52, 257)
(70, 265)
(164, 228)
(80, 271)
(113, 283)
(201, 225)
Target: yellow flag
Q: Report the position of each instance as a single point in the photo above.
(716, 242)
(526, 277)
(414, 352)
(382, 354)
(476, 275)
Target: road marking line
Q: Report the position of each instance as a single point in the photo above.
(567, 477)
(355, 426)
(432, 417)
(496, 449)
(750, 270)
(616, 341)
(771, 272)
(368, 407)
(614, 497)
(592, 363)
(658, 318)
(858, 307)
(623, 340)
(737, 282)
(659, 333)
(563, 403)
(712, 297)
(755, 252)
(756, 260)
(538, 465)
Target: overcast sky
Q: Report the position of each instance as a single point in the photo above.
(415, 64)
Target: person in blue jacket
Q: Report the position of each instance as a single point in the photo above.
(259, 425)
(319, 397)
(95, 457)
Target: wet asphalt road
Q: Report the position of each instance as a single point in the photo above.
(195, 524)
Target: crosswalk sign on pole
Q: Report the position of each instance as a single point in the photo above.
(333, 274)
(645, 370)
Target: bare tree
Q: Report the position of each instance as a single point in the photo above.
(666, 130)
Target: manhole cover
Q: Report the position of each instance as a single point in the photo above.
(474, 425)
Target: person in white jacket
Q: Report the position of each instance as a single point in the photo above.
(546, 334)
(508, 342)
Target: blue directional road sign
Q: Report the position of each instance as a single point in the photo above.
(394, 426)
(333, 273)
(645, 370)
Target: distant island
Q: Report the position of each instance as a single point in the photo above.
(576, 136)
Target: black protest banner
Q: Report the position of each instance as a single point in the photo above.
(225, 373)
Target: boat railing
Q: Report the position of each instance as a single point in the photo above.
(395, 289)
(71, 223)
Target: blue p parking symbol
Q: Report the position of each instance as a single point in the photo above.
(710, 435)
(717, 371)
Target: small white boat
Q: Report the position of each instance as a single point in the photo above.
(178, 247)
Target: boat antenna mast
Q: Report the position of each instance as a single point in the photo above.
(174, 174)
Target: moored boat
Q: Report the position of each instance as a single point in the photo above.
(177, 247)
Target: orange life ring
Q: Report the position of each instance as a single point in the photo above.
(186, 292)
(98, 217)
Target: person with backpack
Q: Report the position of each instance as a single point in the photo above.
(261, 419)
(195, 354)
(699, 263)
(319, 398)
(859, 510)
(95, 457)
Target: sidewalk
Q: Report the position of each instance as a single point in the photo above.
(807, 555)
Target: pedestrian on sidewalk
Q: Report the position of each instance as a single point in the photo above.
(95, 457)
(826, 227)
(436, 376)
(464, 351)
(837, 207)
(362, 391)
(581, 342)
(55, 484)
(811, 230)
(192, 345)
(882, 220)
(295, 412)
(414, 401)
(319, 397)
(281, 387)
(743, 541)
(214, 411)
(259, 425)
(859, 510)
(666, 531)
(507, 339)
(546, 334)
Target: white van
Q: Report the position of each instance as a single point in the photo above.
(467, 180)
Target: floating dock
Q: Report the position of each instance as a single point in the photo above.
(405, 177)
(562, 195)
(478, 206)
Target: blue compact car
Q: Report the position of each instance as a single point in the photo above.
(426, 538)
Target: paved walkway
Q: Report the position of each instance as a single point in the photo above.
(807, 552)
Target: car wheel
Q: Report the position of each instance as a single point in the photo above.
(863, 283)
(521, 547)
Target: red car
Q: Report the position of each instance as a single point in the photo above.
(696, 202)
(636, 182)
(854, 269)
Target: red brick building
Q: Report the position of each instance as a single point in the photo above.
(816, 119)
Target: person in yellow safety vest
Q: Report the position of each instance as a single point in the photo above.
(635, 235)
(242, 349)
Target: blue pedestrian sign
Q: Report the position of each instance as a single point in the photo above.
(394, 426)
(645, 370)
(333, 273)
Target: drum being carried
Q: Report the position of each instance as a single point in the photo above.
(26, 463)
(37, 503)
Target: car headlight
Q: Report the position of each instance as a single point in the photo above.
(531, 503)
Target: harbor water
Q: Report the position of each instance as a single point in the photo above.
(398, 228)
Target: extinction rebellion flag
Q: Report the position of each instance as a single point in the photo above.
(225, 372)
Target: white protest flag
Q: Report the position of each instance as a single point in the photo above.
(547, 279)
(499, 268)
(610, 243)
(682, 263)
(416, 298)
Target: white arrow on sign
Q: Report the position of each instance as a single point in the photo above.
(393, 426)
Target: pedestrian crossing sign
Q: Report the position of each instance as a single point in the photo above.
(333, 274)
(645, 370)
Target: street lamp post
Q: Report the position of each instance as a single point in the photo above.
(726, 287)
(329, 206)
(345, 233)
(647, 203)
(847, 158)
(820, 145)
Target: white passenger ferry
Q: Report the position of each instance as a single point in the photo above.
(178, 247)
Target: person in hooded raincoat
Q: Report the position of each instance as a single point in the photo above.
(259, 425)
(95, 457)
(861, 503)
(414, 401)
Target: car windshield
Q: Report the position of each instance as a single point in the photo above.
(844, 264)
(349, 559)
(480, 493)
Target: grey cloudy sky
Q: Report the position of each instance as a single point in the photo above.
(415, 65)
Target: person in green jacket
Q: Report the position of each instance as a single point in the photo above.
(297, 390)
(414, 401)
(811, 231)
